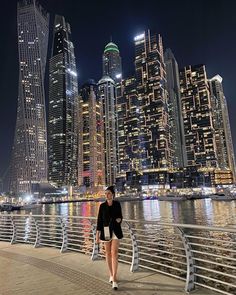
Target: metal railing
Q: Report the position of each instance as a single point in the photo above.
(199, 255)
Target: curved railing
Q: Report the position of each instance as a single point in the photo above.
(199, 255)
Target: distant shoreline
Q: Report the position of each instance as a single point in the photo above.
(122, 199)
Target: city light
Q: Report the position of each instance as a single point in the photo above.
(139, 37)
(73, 73)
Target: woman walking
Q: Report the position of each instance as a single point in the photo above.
(109, 231)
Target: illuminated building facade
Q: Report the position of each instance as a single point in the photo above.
(107, 90)
(198, 118)
(175, 111)
(112, 62)
(224, 144)
(154, 148)
(91, 139)
(29, 155)
(128, 128)
(63, 108)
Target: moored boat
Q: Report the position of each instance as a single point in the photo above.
(9, 207)
(222, 197)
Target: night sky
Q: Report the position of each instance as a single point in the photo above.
(202, 31)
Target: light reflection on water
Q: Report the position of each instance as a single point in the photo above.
(201, 212)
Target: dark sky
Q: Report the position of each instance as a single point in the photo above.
(202, 31)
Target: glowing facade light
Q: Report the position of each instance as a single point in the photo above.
(139, 37)
(73, 73)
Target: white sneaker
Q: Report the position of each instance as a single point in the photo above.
(114, 285)
(111, 279)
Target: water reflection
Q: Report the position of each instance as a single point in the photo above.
(202, 212)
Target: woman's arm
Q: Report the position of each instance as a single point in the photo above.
(99, 225)
(119, 213)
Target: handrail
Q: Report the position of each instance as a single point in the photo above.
(144, 245)
(181, 225)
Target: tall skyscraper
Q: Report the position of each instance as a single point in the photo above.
(107, 90)
(175, 111)
(29, 155)
(155, 153)
(128, 114)
(198, 118)
(224, 144)
(63, 108)
(112, 62)
(91, 139)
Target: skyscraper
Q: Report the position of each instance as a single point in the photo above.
(128, 113)
(112, 62)
(107, 90)
(29, 155)
(224, 144)
(155, 153)
(91, 139)
(63, 108)
(198, 118)
(175, 111)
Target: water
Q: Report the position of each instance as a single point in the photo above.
(200, 212)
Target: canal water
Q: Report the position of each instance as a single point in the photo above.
(200, 212)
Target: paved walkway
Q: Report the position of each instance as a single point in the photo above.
(45, 271)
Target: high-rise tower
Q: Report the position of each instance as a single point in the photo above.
(154, 136)
(112, 62)
(106, 87)
(29, 155)
(224, 144)
(175, 111)
(128, 113)
(91, 139)
(63, 108)
(198, 118)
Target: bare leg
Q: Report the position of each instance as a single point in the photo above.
(108, 256)
(114, 258)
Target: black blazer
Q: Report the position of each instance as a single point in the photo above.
(107, 216)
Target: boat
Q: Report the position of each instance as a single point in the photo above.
(222, 197)
(28, 206)
(172, 198)
(9, 207)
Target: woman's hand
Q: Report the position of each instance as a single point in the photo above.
(97, 237)
(118, 220)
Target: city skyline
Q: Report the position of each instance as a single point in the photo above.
(214, 65)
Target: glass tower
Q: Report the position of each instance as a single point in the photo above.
(63, 108)
(175, 111)
(112, 62)
(224, 143)
(29, 155)
(106, 87)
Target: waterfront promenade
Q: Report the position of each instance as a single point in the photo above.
(28, 270)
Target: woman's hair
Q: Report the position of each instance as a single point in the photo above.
(111, 189)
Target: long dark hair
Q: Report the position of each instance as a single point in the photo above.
(112, 190)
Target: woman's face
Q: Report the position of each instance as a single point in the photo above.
(109, 195)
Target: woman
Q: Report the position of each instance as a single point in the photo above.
(109, 231)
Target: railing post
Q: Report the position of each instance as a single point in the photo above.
(38, 235)
(94, 255)
(189, 285)
(64, 236)
(13, 239)
(135, 257)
